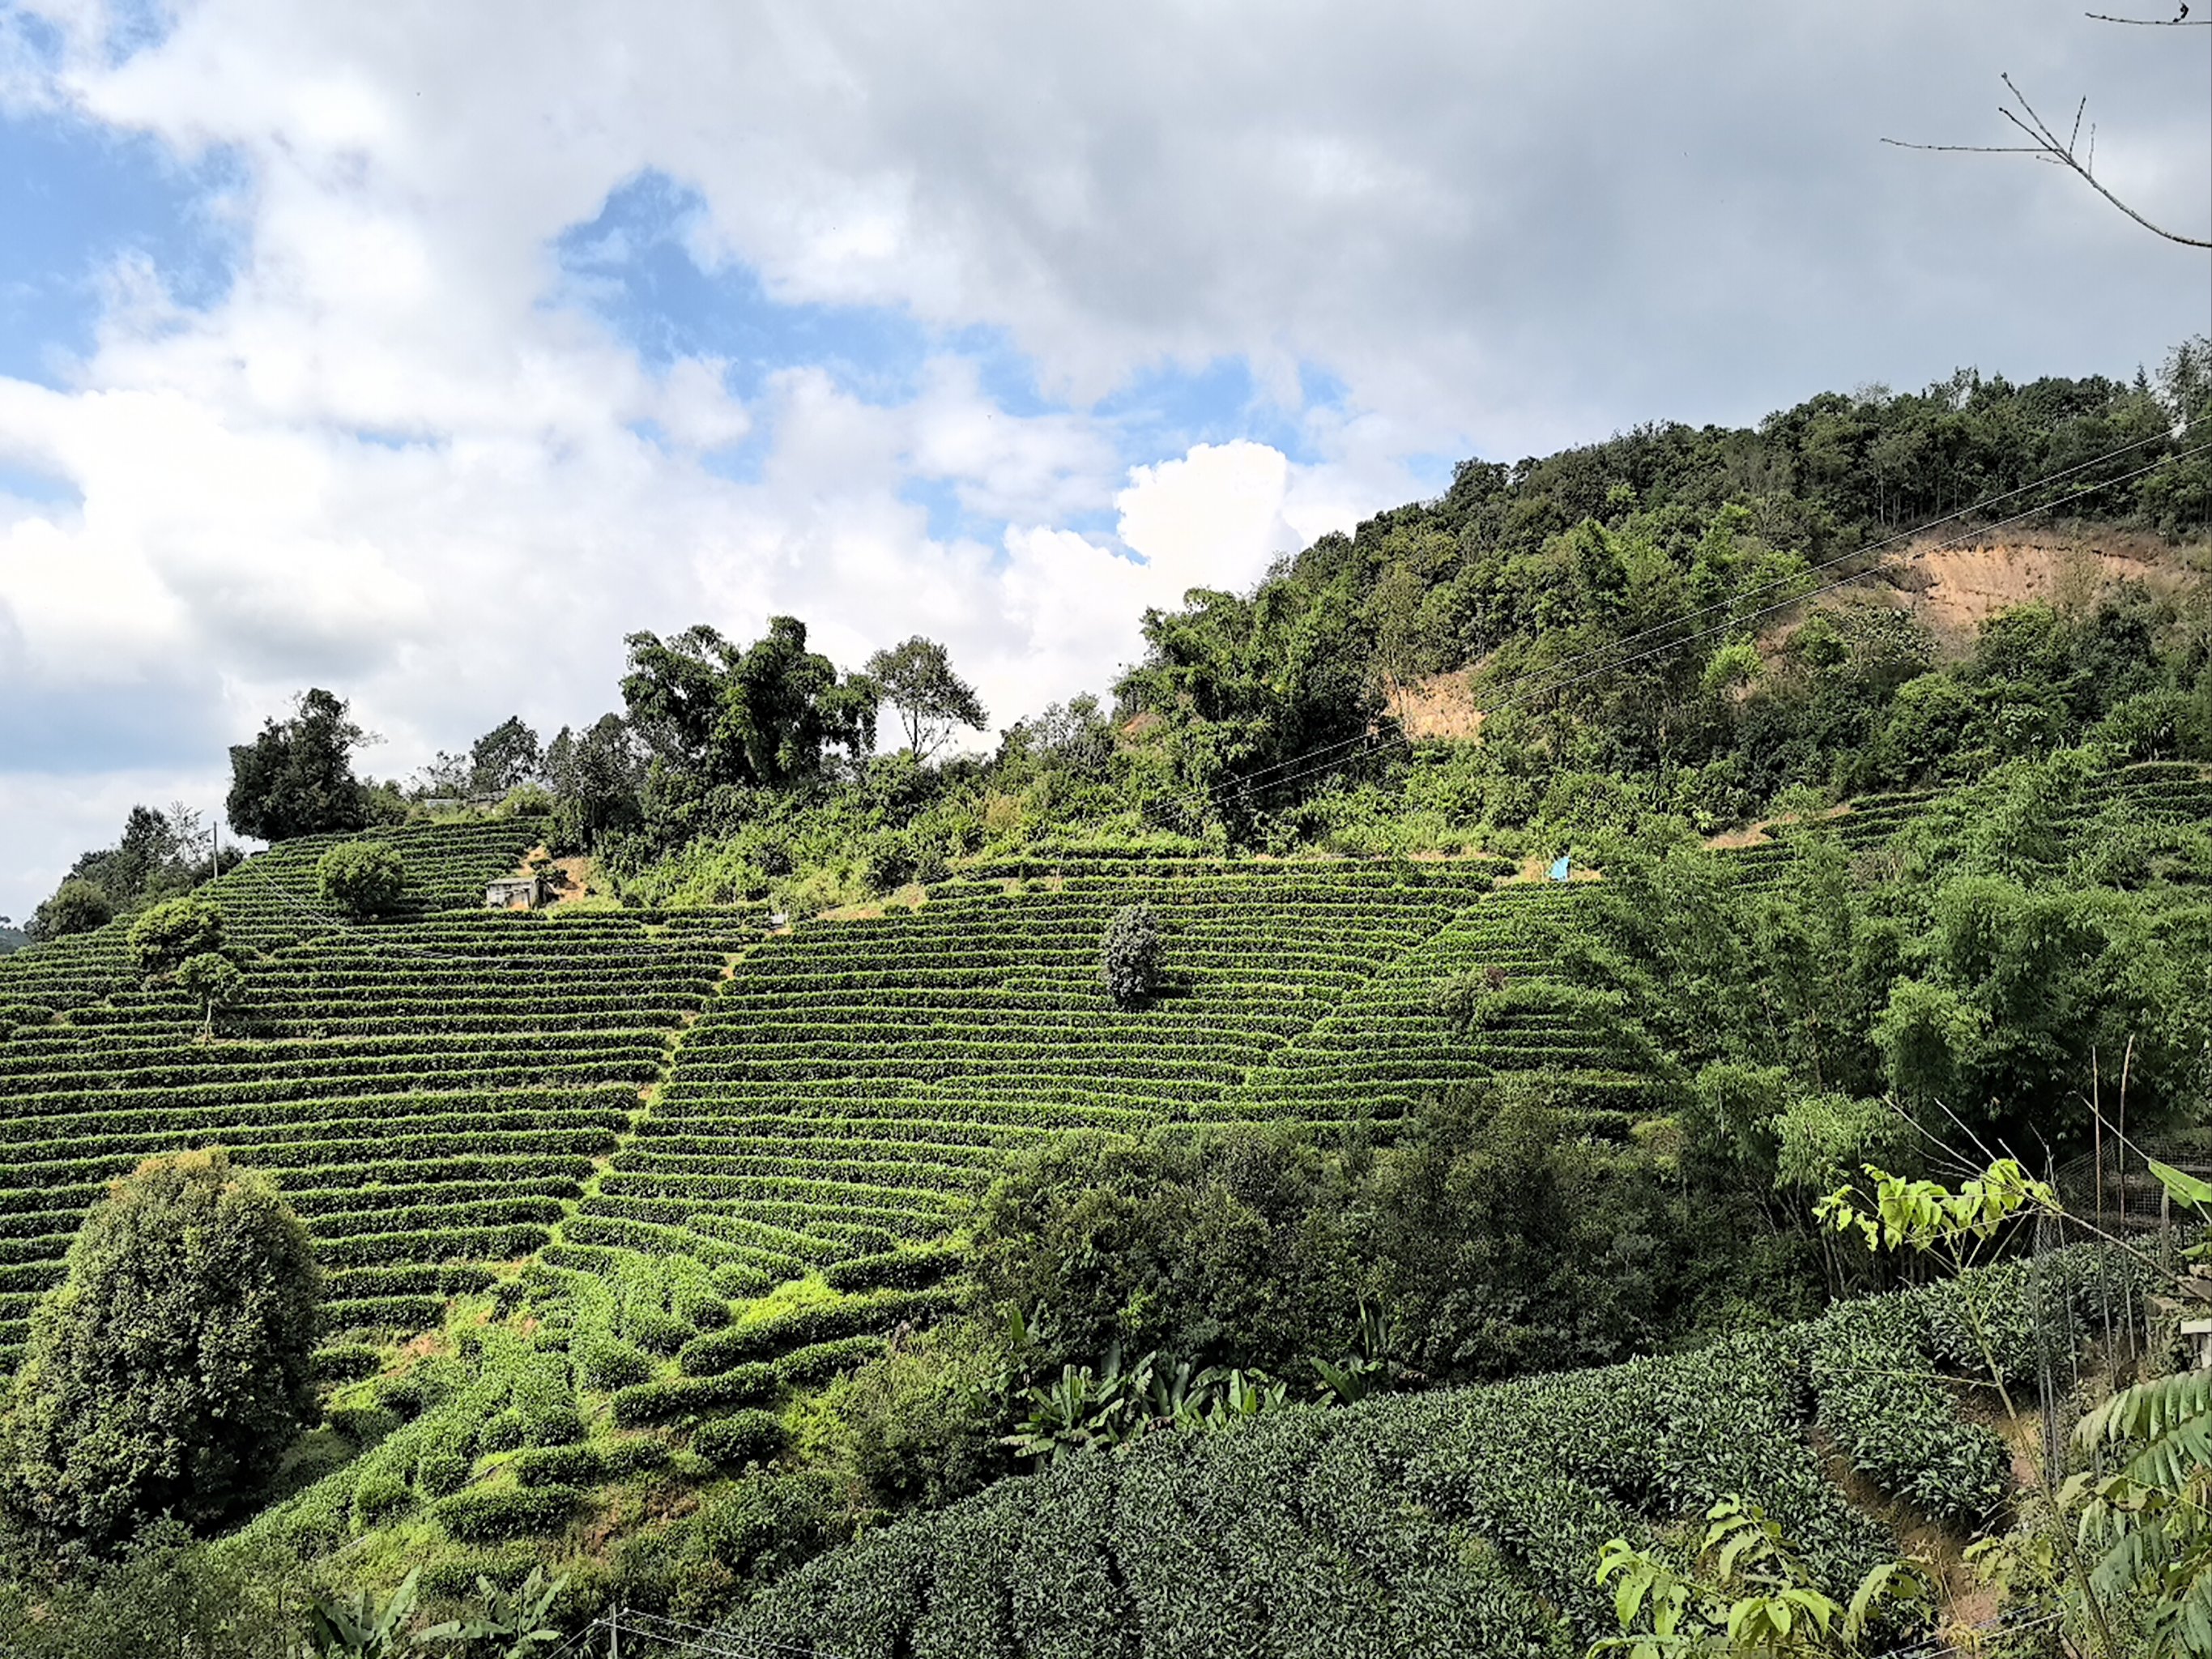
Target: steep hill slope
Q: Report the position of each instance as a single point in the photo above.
(853, 1081)
(1464, 1522)
(429, 1090)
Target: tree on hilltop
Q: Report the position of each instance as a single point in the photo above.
(297, 777)
(916, 678)
(76, 907)
(711, 714)
(505, 757)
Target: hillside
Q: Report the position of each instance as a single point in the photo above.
(552, 1141)
(459, 1087)
(832, 1222)
(433, 1090)
(1456, 1522)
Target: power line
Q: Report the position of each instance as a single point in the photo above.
(1860, 551)
(1549, 678)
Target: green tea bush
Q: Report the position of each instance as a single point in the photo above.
(557, 1466)
(651, 1403)
(482, 1518)
(441, 1471)
(606, 1362)
(748, 1437)
(908, 1270)
(638, 1457)
(656, 1332)
(377, 1497)
(362, 877)
(1892, 1415)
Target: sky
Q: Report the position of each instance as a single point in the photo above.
(421, 351)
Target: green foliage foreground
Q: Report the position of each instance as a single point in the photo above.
(1464, 1522)
(169, 1371)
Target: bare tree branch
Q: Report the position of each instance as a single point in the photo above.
(2183, 23)
(2044, 145)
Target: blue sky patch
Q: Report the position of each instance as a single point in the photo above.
(43, 489)
(632, 266)
(75, 198)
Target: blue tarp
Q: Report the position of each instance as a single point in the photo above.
(1560, 868)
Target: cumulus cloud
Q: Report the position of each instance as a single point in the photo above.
(405, 452)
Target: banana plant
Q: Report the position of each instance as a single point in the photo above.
(1246, 1395)
(517, 1621)
(1748, 1595)
(355, 1626)
(2149, 1523)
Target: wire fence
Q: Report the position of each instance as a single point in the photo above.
(630, 1633)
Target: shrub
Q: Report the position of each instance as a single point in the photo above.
(364, 1422)
(171, 1367)
(907, 1270)
(379, 1496)
(362, 877)
(557, 1466)
(165, 934)
(1129, 961)
(76, 907)
(607, 1364)
(656, 1332)
(348, 1364)
(633, 1457)
(484, 1517)
(551, 1425)
(749, 1437)
(700, 1307)
(441, 1471)
(668, 1402)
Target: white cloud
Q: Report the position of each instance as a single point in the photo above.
(1214, 518)
(392, 458)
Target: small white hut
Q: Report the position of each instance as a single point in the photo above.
(516, 893)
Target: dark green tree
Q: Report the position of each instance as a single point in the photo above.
(297, 778)
(168, 1371)
(166, 933)
(504, 757)
(715, 715)
(1129, 959)
(596, 776)
(77, 906)
(916, 678)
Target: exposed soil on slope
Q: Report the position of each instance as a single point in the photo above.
(1955, 586)
(1952, 586)
(1440, 706)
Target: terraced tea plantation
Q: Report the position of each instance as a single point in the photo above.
(452, 1089)
(855, 1082)
(432, 1091)
(1383, 1050)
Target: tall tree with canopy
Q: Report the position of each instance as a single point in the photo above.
(504, 757)
(714, 715)
(297, 777)
(916, 678)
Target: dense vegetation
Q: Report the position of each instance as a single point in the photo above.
(1160, 1186)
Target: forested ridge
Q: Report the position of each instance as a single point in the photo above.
(1208, 1167)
